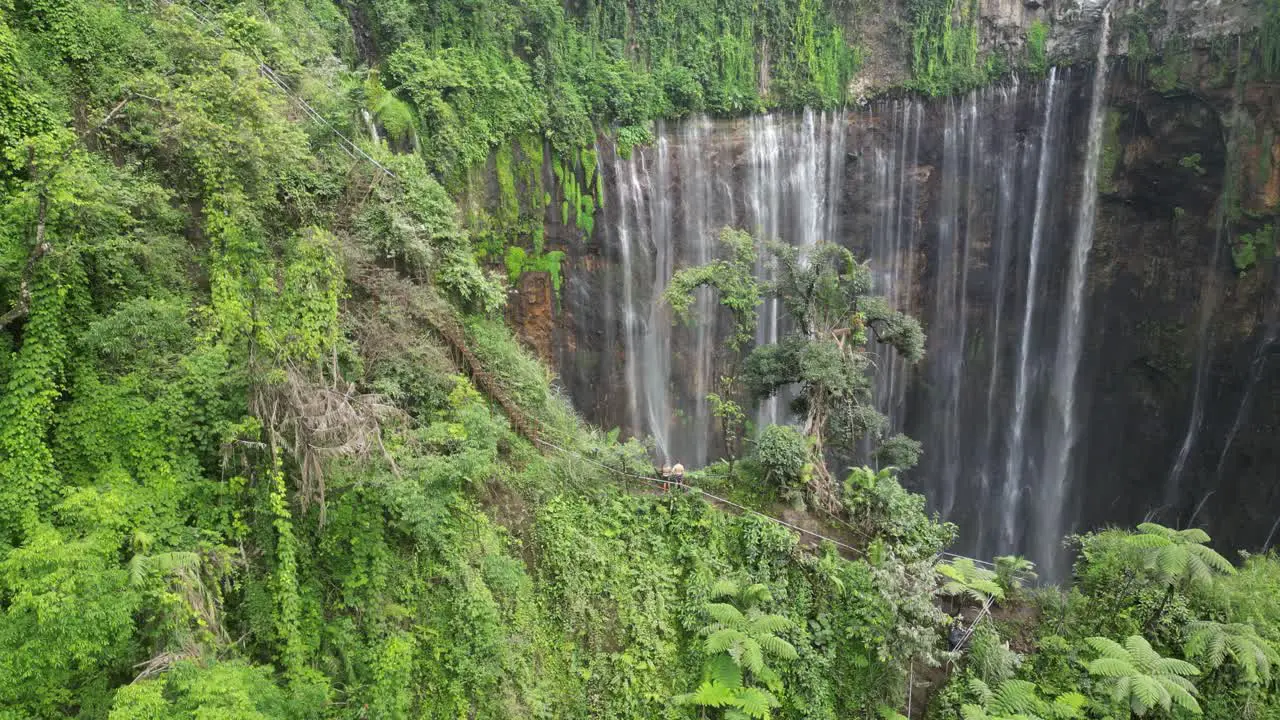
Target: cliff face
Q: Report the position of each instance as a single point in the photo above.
(1004, 29)
(955, 201)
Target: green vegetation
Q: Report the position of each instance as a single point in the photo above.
(1192, 163)
(740, 641)
(944, 46)
(1140, 679)
(1249, 248)
(487, 72)
(1037, 50)
(266, 451)
(1269, 39)
(826, 295)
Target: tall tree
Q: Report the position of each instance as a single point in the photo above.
(833, 324)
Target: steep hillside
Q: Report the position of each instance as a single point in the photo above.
(268, 449)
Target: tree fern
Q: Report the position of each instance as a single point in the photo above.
(1141, 678)
(1178, 557)
(964, 579)
(1012, 571)
(1019, 700)
(739, 640)
(1215, 643)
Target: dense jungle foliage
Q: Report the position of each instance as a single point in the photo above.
(265, 449)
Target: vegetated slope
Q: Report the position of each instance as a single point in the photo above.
(241, 474)
(245, 471)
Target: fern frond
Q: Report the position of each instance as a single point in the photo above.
(1194, 536)
(1174, 666)
(752, 656)
(980, 690)
(724, 613)
(1182, 697)
(1108, 648)
(1068, 706)
(756, 594)
(722, 640)
(1213, 559)
(1140, 652)
(1015, 697)
(1120, 693)
(724, 588)
(769, 624)
(722, 670)
(1147, 541)
(710, 694)
(1147, 693)
(778, 647)
(756, 703)
(1155, 529)
(1108, 667)
(770, 678)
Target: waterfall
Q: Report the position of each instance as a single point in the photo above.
(371, 124)
(1057, 471)
(892, 243)
(656, 349)
(672, 199)
(697, 202)
(1256, 367)
(1002, 255)
(977, 214)
(1014, 465)
(630, 201)
(764, 148)
(978, 223)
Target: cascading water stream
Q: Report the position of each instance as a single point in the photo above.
(672, 198)
(1014, 465)
(630, 198)
(1057, 471)
(1256, 367)
(1003, 254)
(977, 215)
(764, 150)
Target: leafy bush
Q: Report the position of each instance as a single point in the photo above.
(783, 453)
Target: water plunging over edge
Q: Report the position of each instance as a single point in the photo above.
(1063, 391)
(1012, 489)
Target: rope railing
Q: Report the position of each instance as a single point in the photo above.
(715, 499)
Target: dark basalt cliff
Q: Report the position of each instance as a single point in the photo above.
(967, 208)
